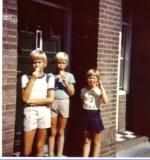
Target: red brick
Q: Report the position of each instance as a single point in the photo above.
(9, 75)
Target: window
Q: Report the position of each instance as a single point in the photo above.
(125, 47)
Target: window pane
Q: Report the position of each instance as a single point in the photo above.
(121, 74)
(122, 56)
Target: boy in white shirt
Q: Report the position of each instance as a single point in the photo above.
(37, 94)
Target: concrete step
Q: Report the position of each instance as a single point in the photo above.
(128, 139)
(140, 150)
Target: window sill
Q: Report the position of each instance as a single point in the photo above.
(122, 92)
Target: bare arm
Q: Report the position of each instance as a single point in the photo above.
(27, 91)
(69, 87)
(43, 101)
(104, 95)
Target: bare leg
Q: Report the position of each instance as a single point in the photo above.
(60, 137)
(40, 141)
(28, 142)
(51, 139)
(87, 144)
(96, 144)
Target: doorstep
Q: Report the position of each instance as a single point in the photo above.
(128, 139)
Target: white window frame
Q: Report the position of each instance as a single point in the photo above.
(124, 90)
(126, 58)
(39, 40)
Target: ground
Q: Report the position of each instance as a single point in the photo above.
(141, 150)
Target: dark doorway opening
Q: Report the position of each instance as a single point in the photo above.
(39, 25)
(138, 107)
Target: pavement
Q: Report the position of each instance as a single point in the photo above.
(138, 151)
(141, 150)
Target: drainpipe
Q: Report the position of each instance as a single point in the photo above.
(1, 4)
(118, 77)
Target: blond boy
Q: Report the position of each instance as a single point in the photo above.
(64, 88)
(37, 94)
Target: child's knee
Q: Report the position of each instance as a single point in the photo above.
(87, 141)
(53, 132)
(61, 132)
(40, 147)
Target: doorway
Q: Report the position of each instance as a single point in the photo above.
(138, 110)
(41, 24)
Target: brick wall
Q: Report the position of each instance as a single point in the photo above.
(83, 57)
(9, 75)
(95, 36)
(122, 113)
(96, 26)
(107, 63)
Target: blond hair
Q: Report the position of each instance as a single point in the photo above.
(94, 72)
(38, 54)
(62, 56)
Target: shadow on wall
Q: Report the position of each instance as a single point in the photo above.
(83, 57)
(74, 137)
(19, 119)
(85, 16)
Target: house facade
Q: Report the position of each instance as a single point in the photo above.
(110, 35)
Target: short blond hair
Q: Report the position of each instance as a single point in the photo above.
(38, 54)
(62, 56)
(93, 72)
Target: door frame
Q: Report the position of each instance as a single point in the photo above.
(67, 48)
(68, 20)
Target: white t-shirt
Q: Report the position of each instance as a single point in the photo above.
(40, 86)
(91, 98)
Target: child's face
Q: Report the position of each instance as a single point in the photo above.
(61, 64)
(92, 81)
(38, 64)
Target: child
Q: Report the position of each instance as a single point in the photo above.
(64, 88)
(92, 97)
(37, 93)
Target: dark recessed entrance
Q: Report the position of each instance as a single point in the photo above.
(41, 24)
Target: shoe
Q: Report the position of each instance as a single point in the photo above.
(51, 154)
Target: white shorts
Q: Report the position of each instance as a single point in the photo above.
(36, 117)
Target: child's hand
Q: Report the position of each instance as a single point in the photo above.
(36, 73)
(102, 88)
(64, 79)
(62, 73)
(100, 85)
(63, 76)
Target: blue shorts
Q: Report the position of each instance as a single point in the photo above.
(92, 120)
